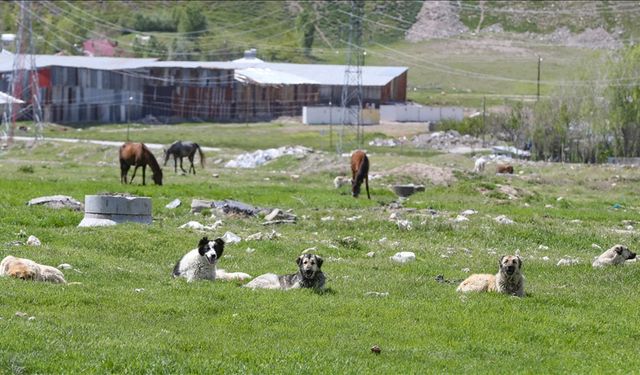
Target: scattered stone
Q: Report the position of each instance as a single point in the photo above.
(33, 241)
(460, 219)
(404, 224)
(231, 238)
(502, 219)
(371, 254)
(466, 270)
(139, 290)
(31, 318)
(403, 257)
(596, 246)
(197, 226)
(377, 294)
(349, 240)
(468, 212)
(260, 157)
(215, 175)
(309, 250)
(284, 221)
(567, 262)
(376, 349)
(327, 218)
(65, 266)
(354, 218)
(250, 250)
(21, 314)
(57, 202)
(545, 258)
(173, 204)
(543, 247)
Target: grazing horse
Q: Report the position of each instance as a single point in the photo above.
(181, 149)
(359, 172)
(138, 155)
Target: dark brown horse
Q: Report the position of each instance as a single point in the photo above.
(138, 155)
(181, 149)
(359, 172)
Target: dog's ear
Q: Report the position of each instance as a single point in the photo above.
(202, 245)
(619, 249)
(319, 261)
(218, 246)
(500, 261)
(519, 261)
(299, 260)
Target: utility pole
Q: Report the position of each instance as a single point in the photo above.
(539, 61)
(352, 89)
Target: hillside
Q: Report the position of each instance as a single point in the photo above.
(458, 52)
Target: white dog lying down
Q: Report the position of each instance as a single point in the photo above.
(27, 269)
(508, 280)
(614, 256)
(309, 275)
(200, 263)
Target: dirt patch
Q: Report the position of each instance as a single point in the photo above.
(419, 173)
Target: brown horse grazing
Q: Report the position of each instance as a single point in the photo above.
(138, 155)
(359, 172)
(181, 149)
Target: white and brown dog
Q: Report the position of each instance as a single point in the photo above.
(200, 263)
(508, 280)
(618, 254)
(27, 269)
(309, 275)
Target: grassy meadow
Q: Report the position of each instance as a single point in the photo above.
(123, 312)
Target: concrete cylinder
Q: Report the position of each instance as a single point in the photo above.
(105, 210)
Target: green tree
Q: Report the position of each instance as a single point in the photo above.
(192, 20)
(306, 29)
(625, 103)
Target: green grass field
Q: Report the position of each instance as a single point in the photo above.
(574, 319)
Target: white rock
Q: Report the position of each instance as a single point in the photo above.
(596, 246)
(354, 218)
(460, 219)
(468, 212)
(230, 237)
(502, 219)
(466, 270)
(371, 254)
(139, 290)
(173, 204)
(567, 262)
(192, 225)
(404, 224)
(327, 218)
(543, 247)
(250, 250)
(545, 258)
(65, 266)
(403, 257)
(377, 294)
(33, 241)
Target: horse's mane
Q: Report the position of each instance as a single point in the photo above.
(153, 163)
(363, 170)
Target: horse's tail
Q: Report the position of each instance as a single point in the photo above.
(201, 154)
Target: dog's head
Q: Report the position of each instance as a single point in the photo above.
(309, 265)
(21, 271)
(510, 265)
(623, 252)
(212, 250)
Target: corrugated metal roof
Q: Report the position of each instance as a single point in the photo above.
(7, 99)
(99, 63)
(256, 72)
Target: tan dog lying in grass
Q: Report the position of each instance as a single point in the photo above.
(27, 269)
(508, 280)
(614, 256)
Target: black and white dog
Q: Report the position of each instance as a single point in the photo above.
(309, 275)
(200, 263)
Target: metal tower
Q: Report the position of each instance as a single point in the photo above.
(24, 78)
(352, 132)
